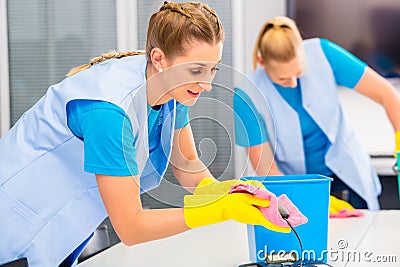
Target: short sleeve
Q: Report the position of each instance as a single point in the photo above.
(107, 135)
(347, 68)
(250, 127)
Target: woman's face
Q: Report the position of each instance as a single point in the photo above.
(285, 73)
(187, 76)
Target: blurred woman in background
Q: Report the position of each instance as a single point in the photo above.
(298, 83)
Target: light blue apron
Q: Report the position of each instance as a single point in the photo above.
(346, 157)
(48, 204)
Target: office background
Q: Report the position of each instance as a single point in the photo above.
(41, 40)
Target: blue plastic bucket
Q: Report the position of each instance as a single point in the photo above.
(310, 193)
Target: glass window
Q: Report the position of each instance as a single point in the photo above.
(47, 38)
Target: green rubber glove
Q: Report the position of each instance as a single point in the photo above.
(211, 186)
(200, 210)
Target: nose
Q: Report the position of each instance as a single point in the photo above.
(293, 82)
(206, 86)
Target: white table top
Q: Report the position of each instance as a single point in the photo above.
(359, 241)
(372, 240)
(223, 244)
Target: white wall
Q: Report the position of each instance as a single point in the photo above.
(256, 13)
(249, 16)
(372, 126)
(370, 122)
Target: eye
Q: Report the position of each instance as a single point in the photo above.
(215, 69)
(196, 71)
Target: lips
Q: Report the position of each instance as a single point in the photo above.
(193, 94)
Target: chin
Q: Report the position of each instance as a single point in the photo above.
(187, 102)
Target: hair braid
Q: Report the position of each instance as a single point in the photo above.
(178, 8)
(103, 57)
(175, 25)
(172, 7)
(171, 33)
(175, 8)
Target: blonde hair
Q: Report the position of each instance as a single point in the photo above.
(279, 39)
(175, 26)
(109, 55)
(171, 29)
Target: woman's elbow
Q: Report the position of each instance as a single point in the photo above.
(129, 239)
(128, 242)
(128, 232)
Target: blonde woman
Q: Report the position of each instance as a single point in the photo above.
(104, 135)
(308, 132)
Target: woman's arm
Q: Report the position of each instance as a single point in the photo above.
(381, 91)
(262, 159)
(186, 165)
(121, 197)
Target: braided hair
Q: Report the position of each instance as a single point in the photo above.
(109, 55)
(171, 28)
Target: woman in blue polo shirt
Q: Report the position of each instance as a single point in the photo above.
(104, 135)
(289, 118)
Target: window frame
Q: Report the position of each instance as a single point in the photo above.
(4, 72)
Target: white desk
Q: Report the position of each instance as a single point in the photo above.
(225, 245)
(372, 240)
(219, 245)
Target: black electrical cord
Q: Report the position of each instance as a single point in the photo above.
(295, 232)
(285, 217)
(297, 235)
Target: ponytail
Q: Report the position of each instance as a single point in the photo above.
(109, 55)
(279, 39)
(268, 25)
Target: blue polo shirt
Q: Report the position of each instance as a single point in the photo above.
(108, 137)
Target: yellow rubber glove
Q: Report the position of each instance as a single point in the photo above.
(341, 209)
(397, 138)
(200, 210)
(211, 186)
(336, 205)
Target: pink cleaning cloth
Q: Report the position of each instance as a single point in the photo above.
(271, 212)
(344, 213)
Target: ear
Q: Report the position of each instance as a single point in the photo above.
(260, 61)
(158, 58)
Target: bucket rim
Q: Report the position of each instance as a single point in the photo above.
(302, 178)
(298, 181)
